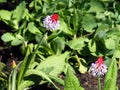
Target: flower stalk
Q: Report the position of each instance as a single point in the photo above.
(99, 84)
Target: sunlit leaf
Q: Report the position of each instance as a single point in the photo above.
(8, 37)
(18, 13)
(89, 22)
(96, 6)
(117, 53)
(82, 67)
(16, 42)
(92, 46)
(71, 81)
(110, 43)
(57, 45)
(5, 15)
(77, 43)
(54, 65)
(32, 28)
(111, 76)
(3, 1)
(64, 27)
(41, 74)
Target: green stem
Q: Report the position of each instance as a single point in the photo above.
(99, 84)
(28, 60)
(35, 51)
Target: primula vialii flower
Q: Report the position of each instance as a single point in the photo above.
(98, 68)
(51, 22)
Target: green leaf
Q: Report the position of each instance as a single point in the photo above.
(76, 19)
(96, 7)
(117, 53)
(25, 84)
(82, 67)
(5, 15)
(6, 37)
(71, 81)
(57, 79)
(57, 45)
(18, 40)
(18, 14)
(92, 46)
(89, 22)
(3, 1)
(77, 43)
(110, 43)
(39, 73)
(32, 28)
(64, 27)
(54, 65)
(102, 29)
(2, 66)
(111, 76)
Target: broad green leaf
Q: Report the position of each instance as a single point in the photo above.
(16, 42)
(57, 45)
(3, 1)
(71, 81)
(18, 14)
(39, 73)
(32, 28)
(96, 6)
(5, 15)
(89, 22)
(102, 28)
(8, 37)
(54, 65)
(82, 67)
(25, 84)
(111, 76)
(2, 66)
(118, 27)
(57, 79)
(110, 43)
(77, 43)
(92, 46)
(76, 18)
(117, 53)
(64, 27)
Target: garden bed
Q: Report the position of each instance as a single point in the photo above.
(51, 34)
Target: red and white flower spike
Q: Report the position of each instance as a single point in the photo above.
(98, 68)
(51, 22)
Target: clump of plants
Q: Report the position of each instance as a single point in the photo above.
(61, 37)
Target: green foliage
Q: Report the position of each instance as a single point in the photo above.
(71, 81)
(53, 65)
(39, 73)
(3, 77)
(3, 1)
(111, 77)
(88, 28)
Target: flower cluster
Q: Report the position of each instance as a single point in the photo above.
(51, 22)
(98, 68)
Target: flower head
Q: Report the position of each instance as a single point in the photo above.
(51, 22)
(98, 68)
(13, 64)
